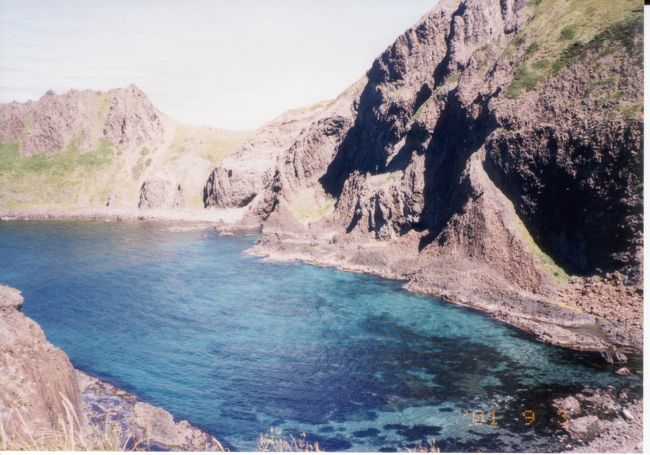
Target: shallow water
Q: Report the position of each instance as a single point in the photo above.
(187, 321)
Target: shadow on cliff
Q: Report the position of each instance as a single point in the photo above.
(456, 136)
(552, 177)
(367, 144)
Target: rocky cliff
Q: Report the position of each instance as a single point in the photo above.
(88, 149)
(46, 405)
(241, 176)
(491, 156)
(37, 378)
(123, 117)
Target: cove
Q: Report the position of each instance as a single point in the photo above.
(187, 321)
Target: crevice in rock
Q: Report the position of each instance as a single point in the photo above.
(455, 138)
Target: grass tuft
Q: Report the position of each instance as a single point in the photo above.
(67, 435)
(530, 50)
(523, 81)
(275, 441)
(429, 447)
(568, 32)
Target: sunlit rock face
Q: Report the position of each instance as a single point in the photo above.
(488, 81)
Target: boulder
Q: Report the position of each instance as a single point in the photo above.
(623, 371)
(160, 194)
(584, 428)
(569, 405)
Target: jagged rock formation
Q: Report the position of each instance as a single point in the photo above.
(92, 150)
(495, 146)
(132, 121)
(238, 178)
(42, 396)
(160, 194)
(125, 117)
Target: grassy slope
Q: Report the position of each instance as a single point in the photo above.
(71, 179)
(558, 31)
(557, 35)
(311, 204)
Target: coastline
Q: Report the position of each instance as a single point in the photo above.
(597, 420)
(47, 404)
(225, 217)
(545, 317)
(545, 320)
(141, 424)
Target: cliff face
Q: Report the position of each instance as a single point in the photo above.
(241, 176)
(498, 138)
(36, 376)
(124, 117)
(87, 149)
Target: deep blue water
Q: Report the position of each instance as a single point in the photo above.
(187, 321)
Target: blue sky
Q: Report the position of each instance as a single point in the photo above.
(226, 63)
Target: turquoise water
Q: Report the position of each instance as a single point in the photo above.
(187, 321)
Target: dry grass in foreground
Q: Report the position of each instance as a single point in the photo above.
(429, 447)
(69, 434)
(274, 441)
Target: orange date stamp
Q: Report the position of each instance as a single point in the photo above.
(528, 417)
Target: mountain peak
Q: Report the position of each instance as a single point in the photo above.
(133, 89)
(123, 116)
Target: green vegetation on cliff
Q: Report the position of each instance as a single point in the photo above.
(55, 179)
(71, 179)
(561, 31)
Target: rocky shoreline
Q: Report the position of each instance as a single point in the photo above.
(595, 420)
(141, 425)
(549, 322)
(546, 316)
(47, 405)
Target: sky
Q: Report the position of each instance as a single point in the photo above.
(232, 64)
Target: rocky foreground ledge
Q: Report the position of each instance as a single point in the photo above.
(45, 404)
(145, 426)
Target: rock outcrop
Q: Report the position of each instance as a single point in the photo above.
(46, 405)
(160, 194)
(141, 425)
(131, 120)
(492, 151)
(238, 178)
(124, 117)
(37, 378)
